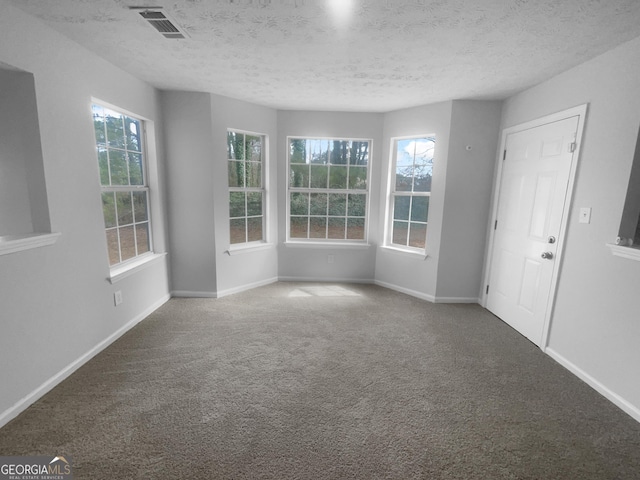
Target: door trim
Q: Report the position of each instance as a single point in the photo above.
(580, 111)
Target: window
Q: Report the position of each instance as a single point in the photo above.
(412, 169)
(245, 154)
(125, 192)
(328, 187)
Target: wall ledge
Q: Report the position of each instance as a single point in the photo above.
(629, 253)
(18, 243)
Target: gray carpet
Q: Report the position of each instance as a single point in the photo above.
(302, 381)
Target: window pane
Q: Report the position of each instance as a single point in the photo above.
(238, 230)
(318, 227)
(109, 209)
(400, 233)
(418, 235)
(405, 153)
(118, 161)
(236, 204)
(115, 129)
(422, 180)
(254, 174)
(338, 177)
(337, 204)
(404, 179)
(299, 204)
(124, 208)
(132, 133)
(135, 168)
(236, 173)
(127, 242)
(254, 229)
(318, 203)
(299, 176)
(103, 164)
(424, 148)
(299, 227)
(319, 151)
(235, 146)
(140, 209)
(253, 148)
(358, 178)
(297, 150)
(419, 209)
(113, 246)
(340, 152)
(401, 206)
(142, 238)
(254, 203)
(355, 228)
(337, 228)
(98, 124)
(357, 205)
(319, 176)
(359, 154)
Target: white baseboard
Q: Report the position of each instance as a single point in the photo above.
(192, 294)
(610, 395)
(325, 280)
(408, 291)
(249, 286)
(24, 403)
(456, 300)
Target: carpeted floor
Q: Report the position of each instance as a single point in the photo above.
(304, 381)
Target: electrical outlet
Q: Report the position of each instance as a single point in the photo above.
(330, 258)
(117, 297)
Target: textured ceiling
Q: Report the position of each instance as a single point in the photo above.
(295, 54)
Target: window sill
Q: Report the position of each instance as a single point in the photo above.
(411, 253)
(127, 269)
(17, 243)
(631, 253)
(237, 250)
(354, 246)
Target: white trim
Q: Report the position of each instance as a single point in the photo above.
(248, 248)
(193, 294)
(127, 269)
(327, 244)
(18, 243)
(407, 291)
(417, 254)
(629, 253)
(243, 288)
(609, 394)
(456, 300)
(325, 280)
(48, 385)
(579, 111)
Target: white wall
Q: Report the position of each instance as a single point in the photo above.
(310, 262)
(56, 304)
(595, 327)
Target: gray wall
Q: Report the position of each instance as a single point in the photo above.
(56, 305)
(595, 328)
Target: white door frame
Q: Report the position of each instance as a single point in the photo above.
(581, 112)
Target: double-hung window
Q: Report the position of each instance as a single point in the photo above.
(123, 178)
(411, 173)
(246, 161)
(327, 189)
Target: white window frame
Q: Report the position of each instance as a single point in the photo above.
(264, 148)
(119, 268)
(393, 194)
(293, 241)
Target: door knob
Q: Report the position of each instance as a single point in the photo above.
(551, 239)
(547, 255)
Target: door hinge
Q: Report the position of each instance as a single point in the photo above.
(572, 147)
(504, 155)
(495, 225)
(487, 289)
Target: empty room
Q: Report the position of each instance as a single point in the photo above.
(319, 239)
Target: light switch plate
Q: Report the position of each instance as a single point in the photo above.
(585, 215)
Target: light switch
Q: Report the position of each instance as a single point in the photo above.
(585, 215)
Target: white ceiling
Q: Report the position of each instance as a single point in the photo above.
(293, 54)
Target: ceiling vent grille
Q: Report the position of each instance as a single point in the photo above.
(161, 22)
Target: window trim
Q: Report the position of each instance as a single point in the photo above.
(253, 245)
(330, 242)
(391, 194)
(122, 268)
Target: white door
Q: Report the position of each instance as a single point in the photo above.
(536, 171)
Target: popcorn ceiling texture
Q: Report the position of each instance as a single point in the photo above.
(292, 54)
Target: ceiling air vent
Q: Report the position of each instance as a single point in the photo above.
(161, 22)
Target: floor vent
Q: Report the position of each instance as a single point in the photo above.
(161, 22)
